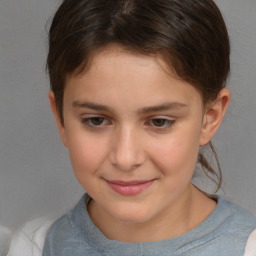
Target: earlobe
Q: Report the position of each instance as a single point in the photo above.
(59, 124)
(214, 115)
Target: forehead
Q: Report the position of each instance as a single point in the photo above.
(129, 76)
(119, 52)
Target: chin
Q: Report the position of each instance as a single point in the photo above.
(131, 215)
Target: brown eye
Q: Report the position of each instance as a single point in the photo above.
(97, 120)
(159, 122)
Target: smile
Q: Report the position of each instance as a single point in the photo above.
(129, 188)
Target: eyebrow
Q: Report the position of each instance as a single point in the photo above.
(163, 107)
(90, 105)
(144, 110)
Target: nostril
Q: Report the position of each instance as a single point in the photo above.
(127, 162)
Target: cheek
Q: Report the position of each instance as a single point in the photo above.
(176, 156)
(86, 154)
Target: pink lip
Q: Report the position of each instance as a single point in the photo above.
(129, 188)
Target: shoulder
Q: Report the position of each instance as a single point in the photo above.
(68, 226)
(71, 233)
(241, 228)
(63, 235)
(29, 239)
(240, 219)
(60, 230)
(63, 238)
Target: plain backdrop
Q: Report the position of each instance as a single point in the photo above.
(36, 177)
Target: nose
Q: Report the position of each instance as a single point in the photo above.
(126, 150)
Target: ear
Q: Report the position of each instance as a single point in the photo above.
(213, 116)
(59, 124)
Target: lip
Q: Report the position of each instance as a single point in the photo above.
(129, 188)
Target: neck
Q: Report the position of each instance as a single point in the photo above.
(189, 211)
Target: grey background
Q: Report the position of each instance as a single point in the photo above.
(36, 177)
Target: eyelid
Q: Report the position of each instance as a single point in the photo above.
(170, 122)
(162, 117)
(86, 120)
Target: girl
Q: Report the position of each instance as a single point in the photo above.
(137, 87)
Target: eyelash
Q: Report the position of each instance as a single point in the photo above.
(168, 123)
(88, 121)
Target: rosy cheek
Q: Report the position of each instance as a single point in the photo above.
(166, 155)
(174, 156)
(85, 155)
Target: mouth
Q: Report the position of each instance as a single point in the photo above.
(129, 188)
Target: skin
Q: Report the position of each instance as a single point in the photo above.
(127, 119)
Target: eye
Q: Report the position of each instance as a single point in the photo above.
(162, 123)
(96, 121)
(159, 122)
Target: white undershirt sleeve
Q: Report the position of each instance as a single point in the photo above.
(250, 249)
(29, 239)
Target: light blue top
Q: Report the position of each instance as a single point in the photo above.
(224, 233)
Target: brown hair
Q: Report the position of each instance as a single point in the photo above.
(190, 34)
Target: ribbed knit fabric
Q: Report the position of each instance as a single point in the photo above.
(224, 233)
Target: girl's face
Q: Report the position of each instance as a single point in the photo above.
(133, 132)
